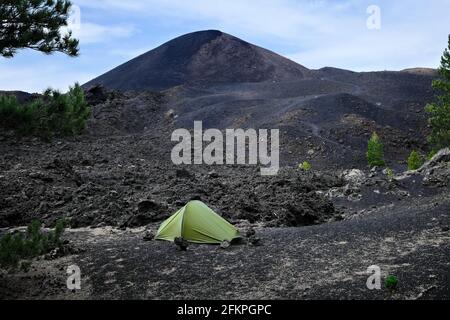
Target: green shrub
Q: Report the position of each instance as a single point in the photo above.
(391, 283)
(25, 265)
(431, 154)
(14, 115)
(415, 161)
(375, 154)
(390, 173)
(305, 166)
(54, 114)
(34, 242)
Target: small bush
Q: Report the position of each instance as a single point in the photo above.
(431, 154)
(34, 242)
(375, 154)
(390, 173)
(415, 161)
(305, 166)
(53, 114)
(391, 283)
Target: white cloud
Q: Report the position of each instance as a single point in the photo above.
(320, 32)
(113, 5)
(314, 33)
(368, 51)
(89, 33)
(279, 18)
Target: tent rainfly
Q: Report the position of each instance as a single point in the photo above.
(197, 223)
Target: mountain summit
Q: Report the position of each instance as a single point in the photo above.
(201, 57)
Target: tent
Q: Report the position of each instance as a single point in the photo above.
(195, 222)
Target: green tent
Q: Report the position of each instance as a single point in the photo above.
(195, 222)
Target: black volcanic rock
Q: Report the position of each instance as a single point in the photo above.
(203, 57)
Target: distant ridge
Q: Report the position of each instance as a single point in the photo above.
(422, 71)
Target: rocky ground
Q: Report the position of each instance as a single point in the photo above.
(112, 186)
(319, 230)
(125, 182)
(328, 261)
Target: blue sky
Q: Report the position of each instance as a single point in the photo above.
(314, 33)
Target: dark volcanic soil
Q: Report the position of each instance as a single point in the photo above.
(320, 229)
(114, 181)
(401, 225)
(410, 240)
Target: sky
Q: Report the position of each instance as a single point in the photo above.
(357, 35)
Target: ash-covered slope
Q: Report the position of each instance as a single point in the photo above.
(202, 57)
(325, 116)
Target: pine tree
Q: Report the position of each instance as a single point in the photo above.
(439, 112)
(375, 154)
(35, 24)
(415, 161)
